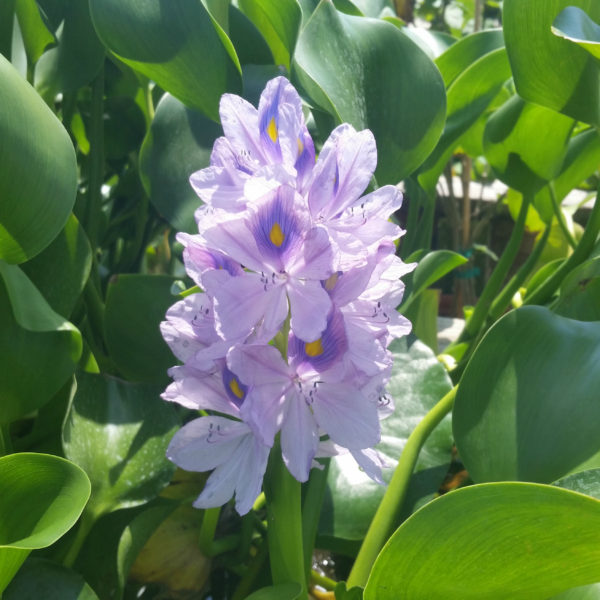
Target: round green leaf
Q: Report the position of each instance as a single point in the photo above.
(469, 96)
(249, 44)
(36, 36)
(580, 293)
(182, 48)
(581, 161)
(135, 306)
(374, 77)
(417, 383)
(178, 143)
(118, 433)
(39, 349)
(40, 578)
(41, 497)
(526, 143)
(466, 51)
(527, 405)
(61, 270)
(549, 70)
(495, 541)
(574, 24)
(279, 22)
(585, 592)
(38, 170)
(76, 60)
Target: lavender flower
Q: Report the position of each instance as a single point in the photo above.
(284, 239)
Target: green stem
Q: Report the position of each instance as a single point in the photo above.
(325, 582)
(96, 161)
(387, 513)
(510, 289)
(284, 516)
(492, 287)
(587, 242)
(245, 585)
(560, 217)
(6, 446)
(311, 511)
(85, 526)
(208, 529)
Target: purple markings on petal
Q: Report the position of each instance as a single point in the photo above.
(276, 226)
(325, 351)
(235, 389)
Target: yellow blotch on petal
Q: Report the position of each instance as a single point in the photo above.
(234, 386)
(272, 129)
(276, 235)
(300, 146)
(331, 281)
(314, 348)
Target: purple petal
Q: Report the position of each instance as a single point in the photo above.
(251, 470)
(314, 260)
(258, 365)
(281, 121)
(220, 187)
(343, 171)
(346, 415)
(321, 354)
(242, 302)
(240, 124)
(205, 443)
(299, 438)
(309, 306)
(371, 462)
(199, 393)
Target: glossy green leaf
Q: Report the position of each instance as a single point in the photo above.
(283, 591)
(41, 497)
(249, 44)
(34, 208)
(60, 271)
(549, 70)
(527, 393)
(178, 143)
(138, 532)
(580, 293)
(466, 51)
(584, 482)
(433, 43)
(521, 541)
(39, 348)
(581, 161)
(118, 433)
(135, 306)
(40, 578)
(376, 78)
(469, 97)
(433, 267)
(36, 36)
(279, 23)
(76, 60)
(574, 24)
(417, 383)
(526, 144)
(183, 49)
(423, 314)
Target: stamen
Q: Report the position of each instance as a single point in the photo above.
(276, 236)
(314, 348)
(272, 130)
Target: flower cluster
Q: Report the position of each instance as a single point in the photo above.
(300, 286)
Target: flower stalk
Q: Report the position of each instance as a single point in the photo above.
(387, 514)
